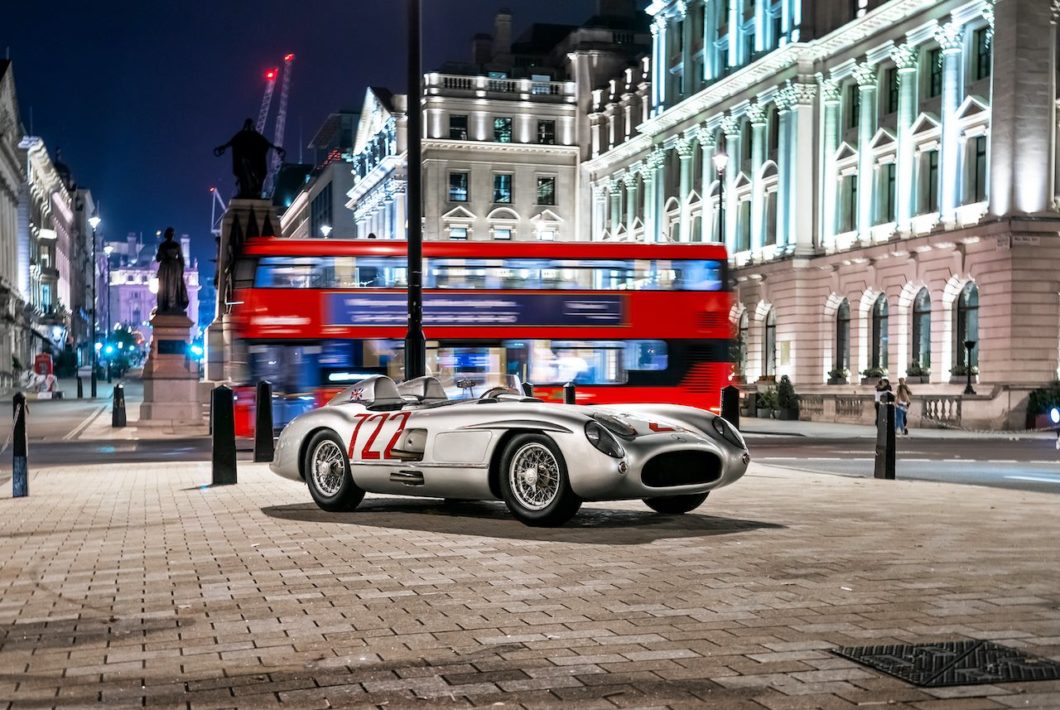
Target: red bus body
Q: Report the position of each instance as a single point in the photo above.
(693, 324)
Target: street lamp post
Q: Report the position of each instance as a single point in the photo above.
(107, 251)
(721, 161)
(969, 345)
(325, 230)
(415, 341)
(93, 222)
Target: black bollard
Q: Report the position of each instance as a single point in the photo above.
(730, 405)
(885, 439)
(528, 389)
(224, 437)
(568, 393)
(263, 444)
(117, 413)
(80, 388)
(20, 449)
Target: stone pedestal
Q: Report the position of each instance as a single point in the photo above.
(171, 378)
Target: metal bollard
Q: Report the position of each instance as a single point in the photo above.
(224, 437)
(730, 405)
(263, 444)
(20, 449)
(885, 439)
(528, 389)
(569, 394)
(117, 414)
(80, 388)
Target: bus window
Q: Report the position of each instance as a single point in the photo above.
(646, 355)
(580, 362)
(288, 272)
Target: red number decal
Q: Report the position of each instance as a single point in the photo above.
(361, 418)
(366, 453)
(404, 417)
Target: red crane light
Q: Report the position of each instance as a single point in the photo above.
(289, 57)
(271, 74)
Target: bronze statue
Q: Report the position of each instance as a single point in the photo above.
(172, 292)
(250, 151)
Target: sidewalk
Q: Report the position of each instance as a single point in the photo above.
(825, 430)
(101, 429)
(129, 585)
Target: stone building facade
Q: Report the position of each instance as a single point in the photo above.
(889, 189)
(14, 320)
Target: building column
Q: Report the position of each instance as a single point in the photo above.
(761, 21)
(734, 33)
(661, 157)
(829, 146)
(631, 197)
(710, 22)
(688, 76)
(684, 153)
(950, 39)
(800, 168)
(650, 231)
(865, 75)
(706, 142)
(785, 151)
(615, 187)
(757, 116)
(905, 59)
(731, 127)
(659, 31)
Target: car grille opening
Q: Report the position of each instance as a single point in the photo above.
(681, 468)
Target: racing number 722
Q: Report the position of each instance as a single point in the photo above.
(383, 419)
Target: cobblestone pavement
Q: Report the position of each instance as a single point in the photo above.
(131, 586)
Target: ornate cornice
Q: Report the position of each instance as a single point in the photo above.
(490, 147)
(949, 37)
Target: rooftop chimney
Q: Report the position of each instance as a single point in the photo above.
(502, 36)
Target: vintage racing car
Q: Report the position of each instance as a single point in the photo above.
(541, 459)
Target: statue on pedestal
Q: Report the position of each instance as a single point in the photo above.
(172, 291)
(250, 151)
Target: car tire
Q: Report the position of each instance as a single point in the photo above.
(327, 472)
(675, 505)
(534, 482)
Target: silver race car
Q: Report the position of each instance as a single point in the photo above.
(541, 459)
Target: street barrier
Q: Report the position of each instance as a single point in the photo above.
(117, 413)
(80, 388)
(730, 405)
(885, 437)
(20, 450)
(568, 393)
(528, 389)
(263, 443)
(223, 458)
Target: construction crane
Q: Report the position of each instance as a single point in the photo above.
(217, 212)
(281, 124)
(266, 100)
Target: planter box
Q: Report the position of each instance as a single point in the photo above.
(963, 379)
(763, 413)
(917, 379)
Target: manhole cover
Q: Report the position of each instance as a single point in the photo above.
(954, 663)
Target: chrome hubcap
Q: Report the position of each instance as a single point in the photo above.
(328, 467)
(534, 476)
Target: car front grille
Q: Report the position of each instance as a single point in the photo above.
(681, 468)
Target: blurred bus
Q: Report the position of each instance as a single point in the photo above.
(625, 322)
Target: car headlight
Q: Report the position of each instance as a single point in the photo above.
(615, 425)
(603, 440)
(727, 432)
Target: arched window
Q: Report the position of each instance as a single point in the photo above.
(879, 333)
(922, 329)
(968, 325)
(769, 345)
(842, 336)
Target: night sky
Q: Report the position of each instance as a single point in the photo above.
(137, 94)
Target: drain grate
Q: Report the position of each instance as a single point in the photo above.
(954, 663)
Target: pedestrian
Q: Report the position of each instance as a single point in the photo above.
(882, 385)
(903, 398)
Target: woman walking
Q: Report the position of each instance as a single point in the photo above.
(903, 398)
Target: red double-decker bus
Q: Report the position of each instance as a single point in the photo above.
(625, 322)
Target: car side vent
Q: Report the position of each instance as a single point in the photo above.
(681, 468)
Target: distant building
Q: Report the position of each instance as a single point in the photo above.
(207, 303)
(14, 297)
(316, 209)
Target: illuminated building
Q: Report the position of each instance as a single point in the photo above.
(14, 257)
(891, 176)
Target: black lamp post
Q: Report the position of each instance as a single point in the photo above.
(415, 341)
(969, 345)
(721, 160)
(107, 250)
(94, 221)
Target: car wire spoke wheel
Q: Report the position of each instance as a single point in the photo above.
(534, 476)
(328, 467)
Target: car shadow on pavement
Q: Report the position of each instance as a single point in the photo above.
(492, 519)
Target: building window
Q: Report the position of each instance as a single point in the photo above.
(887, 211)
(880, 336)
(546, 132)
(502, 129)
(983, 53)
(849, 213)
(858, 8)
(547, 235)
(502, 189)
(842, 336)
(854, 104)
(769, 345)
(771, 218)
(458, 233)
(502, 233)
(922, 329)
(774, 131)
(320, 213)
(746, 141)
(979, 174)
(890, 78)
(458, 187)
(457, 128)
(546, 191)
(934, 72)
(967, 325)
(745, 226)
(929, 183)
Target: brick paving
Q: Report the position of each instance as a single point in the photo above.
(134, 586)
